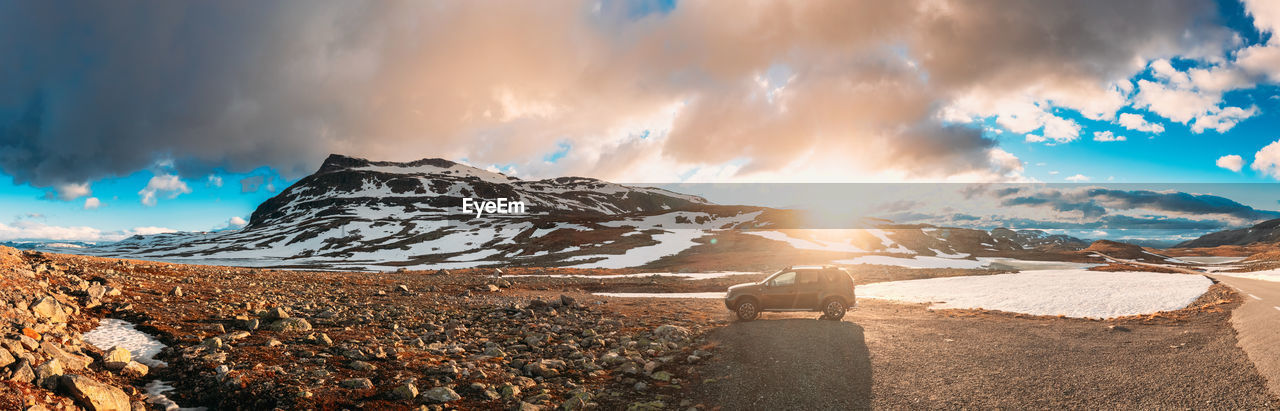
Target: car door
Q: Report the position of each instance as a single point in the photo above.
(809, 284)
(779, 291)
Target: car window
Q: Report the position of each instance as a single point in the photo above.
(787, 278)
(808, 277)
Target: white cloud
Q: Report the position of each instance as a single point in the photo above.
(92, 203)
(1032, 138)
(1061, 130)
(151, 230)
(236, 222)
(1267, 160)
(214, 181)
(1106, 136)
(163, 184)
(1174, 103)
(1078, 178)
(1054, 172)
(1196, 98)
(1231, 162)
(34, 230)
(1223, 120)
(1137, 123)
(68, 192)
(1004, 160)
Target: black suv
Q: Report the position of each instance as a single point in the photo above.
(827, 289)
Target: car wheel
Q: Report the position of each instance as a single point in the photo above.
(833, 310)
(747, 310)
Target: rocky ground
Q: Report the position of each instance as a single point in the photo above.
(241, 338)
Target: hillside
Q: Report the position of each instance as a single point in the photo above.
(1264, 232)
(361, 214)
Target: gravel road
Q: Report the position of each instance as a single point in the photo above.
(893, 356)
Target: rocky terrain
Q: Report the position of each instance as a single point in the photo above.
(538, 338)
(262, 339)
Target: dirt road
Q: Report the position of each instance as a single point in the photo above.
(1257, 323)
(895, 356)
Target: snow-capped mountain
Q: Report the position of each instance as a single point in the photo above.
(361, 214)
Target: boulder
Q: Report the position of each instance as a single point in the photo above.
(94, 395)
(49, 309)
(23, 373)
(356, 383)
(406, 391)
(73, 362)
(135, 369)
(671, 333)
(290, 324)
(6, 358)
(116, 358)
(441, 395)
(277, 313)
(47, 374)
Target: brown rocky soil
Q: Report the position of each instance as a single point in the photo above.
(242, 338)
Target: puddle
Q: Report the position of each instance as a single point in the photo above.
(144, 348)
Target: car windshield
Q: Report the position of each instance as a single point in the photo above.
(786, 278)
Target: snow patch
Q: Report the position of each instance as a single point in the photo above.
(1070, 293)
(669, 243)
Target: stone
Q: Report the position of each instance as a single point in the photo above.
(176, 291)
(406, 391)
(356, 383)
(671, 332)
(492, 288)
(441, 395)
(567, 301)
(362, 366)
(6, 358)
(509, 391)
(97, 291)
(116, 358)
(94, 395)
(661, 376)
(23, 373)
(290, 324)
(49, 309)
(654, 405)
(135, 369)
(277, 313)
(47, 374)
(213, 343)
(578, 401)
(74, 362)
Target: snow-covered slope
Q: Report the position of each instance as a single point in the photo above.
(361, 214)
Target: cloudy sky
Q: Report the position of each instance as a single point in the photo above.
(121, 117)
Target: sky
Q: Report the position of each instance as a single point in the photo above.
(136, 117)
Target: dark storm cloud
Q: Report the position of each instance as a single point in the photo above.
(101, 88)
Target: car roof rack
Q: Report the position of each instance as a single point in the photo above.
(810, 267)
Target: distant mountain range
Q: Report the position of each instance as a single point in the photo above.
(361, 214)
(1264, 232)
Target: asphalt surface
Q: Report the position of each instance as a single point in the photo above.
(1257, 324)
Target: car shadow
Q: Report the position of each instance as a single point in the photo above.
(794, 363)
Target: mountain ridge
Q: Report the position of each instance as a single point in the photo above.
(356, 213)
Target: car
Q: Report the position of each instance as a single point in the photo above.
(826, 289)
